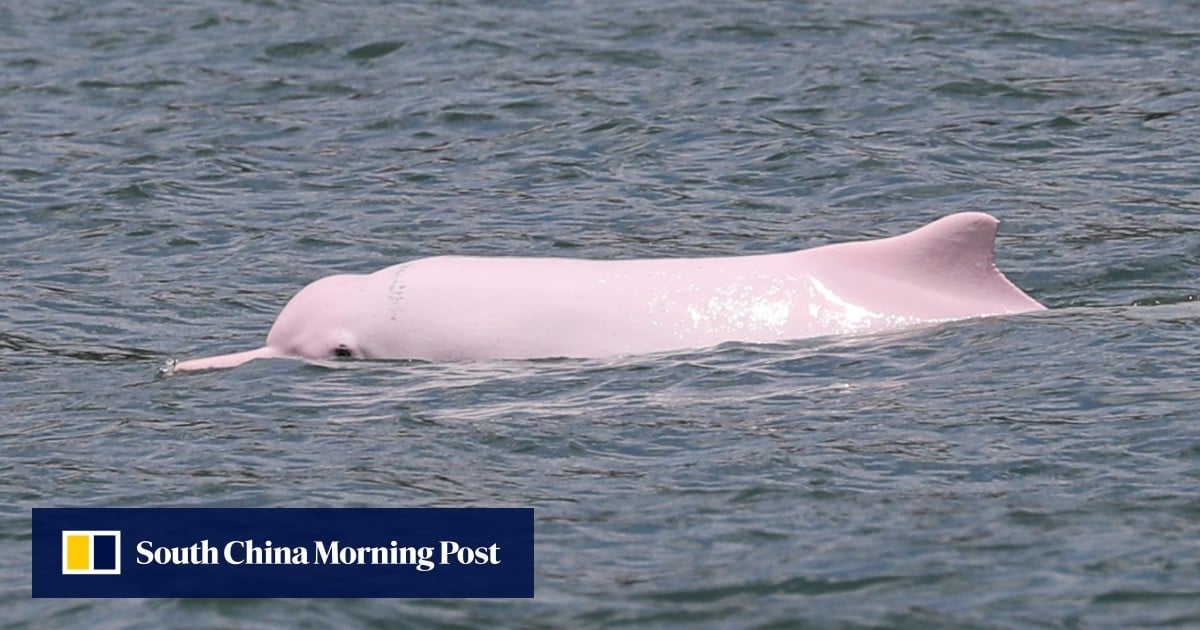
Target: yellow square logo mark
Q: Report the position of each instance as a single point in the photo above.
(91, 552)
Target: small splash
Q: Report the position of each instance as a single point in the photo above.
(168, 367)
(1164, 300)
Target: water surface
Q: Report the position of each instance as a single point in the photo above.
(170, 175)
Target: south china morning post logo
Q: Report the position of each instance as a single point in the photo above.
(285, 552)
(91, 552)
(329, 552)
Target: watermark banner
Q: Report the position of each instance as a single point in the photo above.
(283, 552)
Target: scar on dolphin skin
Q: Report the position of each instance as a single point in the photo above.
(396, 291)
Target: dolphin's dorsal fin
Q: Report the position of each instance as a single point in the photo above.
(945, 268)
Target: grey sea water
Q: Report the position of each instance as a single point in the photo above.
(171, 173)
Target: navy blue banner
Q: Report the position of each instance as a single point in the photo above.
(282, 552)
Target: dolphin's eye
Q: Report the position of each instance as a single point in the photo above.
(342, 351)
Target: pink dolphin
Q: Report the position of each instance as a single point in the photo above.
(457, 307)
